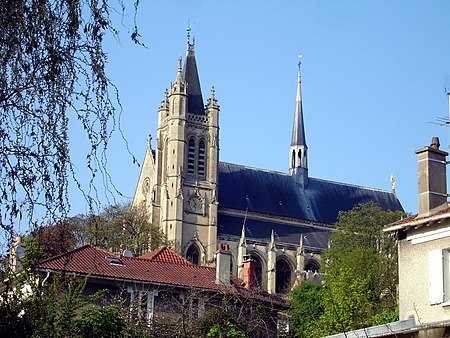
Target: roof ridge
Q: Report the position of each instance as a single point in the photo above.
(86, 246)
(311, 178)
(352, 185)
(256, 168)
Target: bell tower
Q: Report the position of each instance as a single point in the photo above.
(179, 179)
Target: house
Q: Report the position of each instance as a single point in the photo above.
(164, 291)
(200, 201)
(424, 257)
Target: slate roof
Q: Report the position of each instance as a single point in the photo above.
(275, 193)
(298, 129)
(315, 238)
(194, 91)
(163, 267)
(279, 196)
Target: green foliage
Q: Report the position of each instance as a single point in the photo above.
(361, 271)
(43, 307)
(99, 322)
(118, 226)
(306, 308)
(121, 226)
(230, 330)
(236, 316)
(386, 316)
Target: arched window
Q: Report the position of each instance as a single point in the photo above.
(293, 159)
(201, 158)
(191, 156)
(283, 276)
(193, 254)
(312, 265)
(258, 269)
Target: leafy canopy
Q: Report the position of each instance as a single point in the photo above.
(360, 273)
(361, 269)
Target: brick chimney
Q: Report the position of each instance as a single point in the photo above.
(223, 264)
(249, 271)
(431, 165)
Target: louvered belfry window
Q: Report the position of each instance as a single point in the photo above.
(191, 157)
(201, 158)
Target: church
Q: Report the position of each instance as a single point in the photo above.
(281, 221)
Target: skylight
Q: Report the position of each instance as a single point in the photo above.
(114, 260)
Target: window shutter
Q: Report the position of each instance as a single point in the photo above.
(436, 276)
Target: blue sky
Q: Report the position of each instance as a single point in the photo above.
(373, 77)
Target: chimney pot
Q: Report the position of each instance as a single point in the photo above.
(435, 142)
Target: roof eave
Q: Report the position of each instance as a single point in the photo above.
(417, 223)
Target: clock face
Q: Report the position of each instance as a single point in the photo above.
(195, 203)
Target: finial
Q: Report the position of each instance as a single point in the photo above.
(272, 241)
(149, 141)
(190, 46)
(179, 64)
(188, 29)
(299, 60)
(392, 180)
(213, 92)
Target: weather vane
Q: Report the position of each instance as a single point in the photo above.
(300, 55)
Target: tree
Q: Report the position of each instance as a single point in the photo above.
(306, 308)
(59, 238)
(52, 77)
(121, 226)
(360, 270)
(117, 226)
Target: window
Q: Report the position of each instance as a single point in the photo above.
(142, 304)
(193, 254)
(439, 276)
(191, 157)
(258, 269)
(201, 158)
(283, 276)
(312, 265)
(113, 260)
(196, 163)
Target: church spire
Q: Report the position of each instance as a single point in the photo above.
(190, 76)
(298, 149)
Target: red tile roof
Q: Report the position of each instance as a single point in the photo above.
(417, 222)
(165, 254)
(162, 266)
